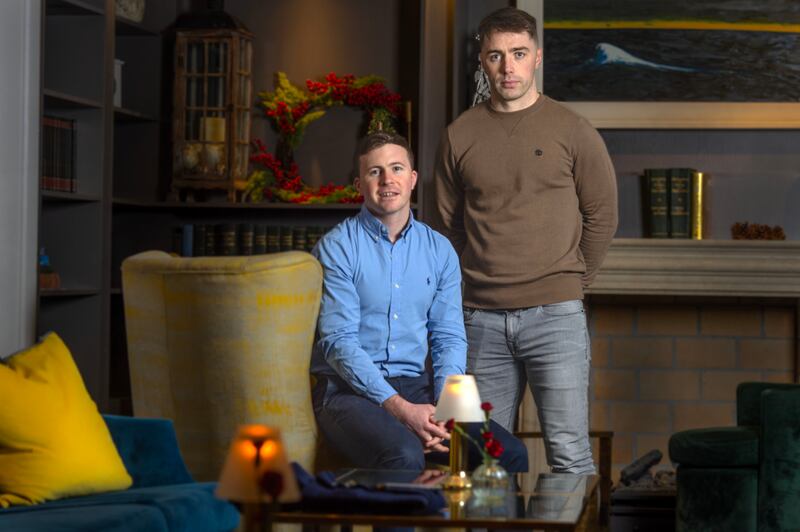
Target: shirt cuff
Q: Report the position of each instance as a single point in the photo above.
(383, 392)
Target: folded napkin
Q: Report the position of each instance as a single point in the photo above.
(322, 494)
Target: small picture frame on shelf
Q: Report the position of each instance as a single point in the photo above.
(132, 10)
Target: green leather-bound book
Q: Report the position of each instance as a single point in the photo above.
(259, 239)
(656, 201)
(226, 240)
(286, 238)
(299, 237)
(273, 239)
(680, 202)
(245, 231)
(211, 240)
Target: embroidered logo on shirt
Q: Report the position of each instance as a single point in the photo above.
(429, 281)
(539, 152)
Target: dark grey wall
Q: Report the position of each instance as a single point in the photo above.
(755, 175)
(309, 38)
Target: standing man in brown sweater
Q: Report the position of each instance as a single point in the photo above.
(526, 192)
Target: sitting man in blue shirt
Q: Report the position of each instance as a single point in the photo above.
(392, 293)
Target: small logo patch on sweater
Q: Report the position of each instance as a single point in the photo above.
(539, 152)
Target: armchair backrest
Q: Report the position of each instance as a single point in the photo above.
(748, 401)
(779, 469)
(215, 342)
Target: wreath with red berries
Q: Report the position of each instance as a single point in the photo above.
(290, 109)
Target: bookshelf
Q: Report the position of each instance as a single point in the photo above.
(72, 225)
(80, 40)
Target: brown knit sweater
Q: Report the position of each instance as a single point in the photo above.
(529, 201)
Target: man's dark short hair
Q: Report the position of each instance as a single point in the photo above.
(508, 20)
(376, 140)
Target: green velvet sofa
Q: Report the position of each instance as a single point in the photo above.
(747, 477)
(163, 496)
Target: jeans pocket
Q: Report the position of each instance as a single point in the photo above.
(469, 314)
(564, 308)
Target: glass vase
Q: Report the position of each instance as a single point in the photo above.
(490, 475)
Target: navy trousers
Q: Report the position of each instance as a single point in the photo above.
(370, 437)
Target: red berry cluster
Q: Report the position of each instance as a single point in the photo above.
(286, 117)
(287, 180)
(343, 89)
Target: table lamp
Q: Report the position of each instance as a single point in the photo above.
(460, 402)
(256, 471)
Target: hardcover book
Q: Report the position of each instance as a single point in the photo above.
(656, 201)
(696, 211)
(679, 202)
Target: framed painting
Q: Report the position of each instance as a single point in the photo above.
(679, 64)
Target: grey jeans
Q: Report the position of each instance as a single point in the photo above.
(547, 346)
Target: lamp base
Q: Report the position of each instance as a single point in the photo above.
(459, 480)
(255, 516)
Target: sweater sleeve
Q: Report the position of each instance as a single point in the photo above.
(596, 186)
(448, 193)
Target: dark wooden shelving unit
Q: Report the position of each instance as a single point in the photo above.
(72, 225)
(58, 100)
(128, 115)
(70, 292)
(72, 8)
(120, 203)
(80, 40)
(124, 26)
(53, 196)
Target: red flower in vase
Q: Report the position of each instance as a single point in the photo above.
(494, 448)
(490, 447)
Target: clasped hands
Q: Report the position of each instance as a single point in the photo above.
(419, 420)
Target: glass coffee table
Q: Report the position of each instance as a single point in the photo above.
(556, 502)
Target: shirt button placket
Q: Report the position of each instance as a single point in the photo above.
(392, 346)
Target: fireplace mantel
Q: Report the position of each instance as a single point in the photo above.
(739, 268)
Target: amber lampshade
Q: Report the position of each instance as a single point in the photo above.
(257, 469)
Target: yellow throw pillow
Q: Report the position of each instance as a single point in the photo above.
(53, 441)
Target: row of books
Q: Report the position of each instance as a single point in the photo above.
(58, 155)
(204, 240)
(673, 202)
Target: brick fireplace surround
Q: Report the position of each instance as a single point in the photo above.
(664, 364)
(675, 326)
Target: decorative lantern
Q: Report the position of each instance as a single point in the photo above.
(212, 102)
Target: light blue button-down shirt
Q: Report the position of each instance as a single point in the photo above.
(384, 304)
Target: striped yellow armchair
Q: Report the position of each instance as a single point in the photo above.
(214, 342)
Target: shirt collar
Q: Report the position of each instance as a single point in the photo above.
(376, 228)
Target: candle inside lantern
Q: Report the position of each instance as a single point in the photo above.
(213, 128)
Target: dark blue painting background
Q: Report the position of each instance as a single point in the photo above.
(733, 66)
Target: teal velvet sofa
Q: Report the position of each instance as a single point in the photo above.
(163, 496)
(747, 477)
